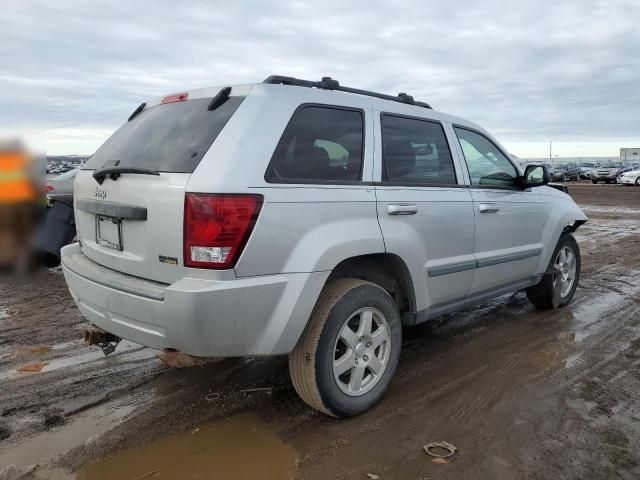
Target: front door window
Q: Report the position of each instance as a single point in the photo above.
(487, 165)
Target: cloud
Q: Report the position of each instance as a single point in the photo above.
(524, 70)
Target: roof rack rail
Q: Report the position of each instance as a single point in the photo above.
(328, 83)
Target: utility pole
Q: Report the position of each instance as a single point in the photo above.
(550, 148)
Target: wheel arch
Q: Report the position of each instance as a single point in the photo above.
(387, 270)
(566, 217)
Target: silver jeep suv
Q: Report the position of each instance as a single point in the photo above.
(310, 219)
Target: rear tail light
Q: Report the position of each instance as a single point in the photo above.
(217, 227)
(49, 188)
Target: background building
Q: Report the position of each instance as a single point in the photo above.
(629, 154)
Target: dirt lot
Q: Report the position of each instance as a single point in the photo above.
(521, 393)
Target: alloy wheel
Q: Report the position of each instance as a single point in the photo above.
(565, 266)
(361, 352)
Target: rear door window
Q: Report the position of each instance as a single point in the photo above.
(415, 151)
(171, 137)
(320, 144)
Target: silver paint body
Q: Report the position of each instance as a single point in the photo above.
(460, 245)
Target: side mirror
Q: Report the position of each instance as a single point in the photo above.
(535, 176)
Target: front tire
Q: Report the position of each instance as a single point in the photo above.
(594, 182)
(556, 289)
(344, 361)
(638, 182)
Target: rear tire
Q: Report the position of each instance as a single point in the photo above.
(594, 182)
(553, 291)
(336, 340)
(638, 182)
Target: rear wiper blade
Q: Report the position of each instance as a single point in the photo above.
(114, 172)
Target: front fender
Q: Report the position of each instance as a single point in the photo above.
(565, 215)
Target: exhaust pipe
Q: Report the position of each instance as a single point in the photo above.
(105, 340)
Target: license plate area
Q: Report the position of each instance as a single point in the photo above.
(109, 232)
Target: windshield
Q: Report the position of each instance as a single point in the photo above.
(611, 165)
(170, 137)
(587, 164)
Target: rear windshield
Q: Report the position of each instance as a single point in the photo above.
(172, 137)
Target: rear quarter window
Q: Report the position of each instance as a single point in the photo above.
(170, 137)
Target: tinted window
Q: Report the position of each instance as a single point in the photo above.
(415, 151)
(167, 138)
(320, 143)
(486, 163)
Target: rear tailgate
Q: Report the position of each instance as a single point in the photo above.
(140, 224)
(131, 219)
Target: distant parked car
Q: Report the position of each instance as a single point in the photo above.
(571, 171)
(608, 172)
(558, 172)
(58, 227)
(61, 187)
(632, 177)
(586, 168)
(626, 167)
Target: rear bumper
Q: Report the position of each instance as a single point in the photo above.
(262, 315)
(628, 180)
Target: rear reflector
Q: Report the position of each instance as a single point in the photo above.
(178, 97)
(217, 227)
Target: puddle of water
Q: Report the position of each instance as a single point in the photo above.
(126, 352)
(240, 447)
(41, 448)
(3, 312)
(591, 317)
(553, 355)
(606, 209)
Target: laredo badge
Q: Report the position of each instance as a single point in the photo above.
(168, 260)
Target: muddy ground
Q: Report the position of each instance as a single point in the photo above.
(521, 393)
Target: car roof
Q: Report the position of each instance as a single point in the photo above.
(334, 97)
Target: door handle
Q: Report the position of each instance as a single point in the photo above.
(488, 207)
(402, 209)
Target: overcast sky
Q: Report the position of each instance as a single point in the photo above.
(72, 71)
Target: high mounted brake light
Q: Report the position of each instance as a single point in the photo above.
(178, 97)
(217, 227)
